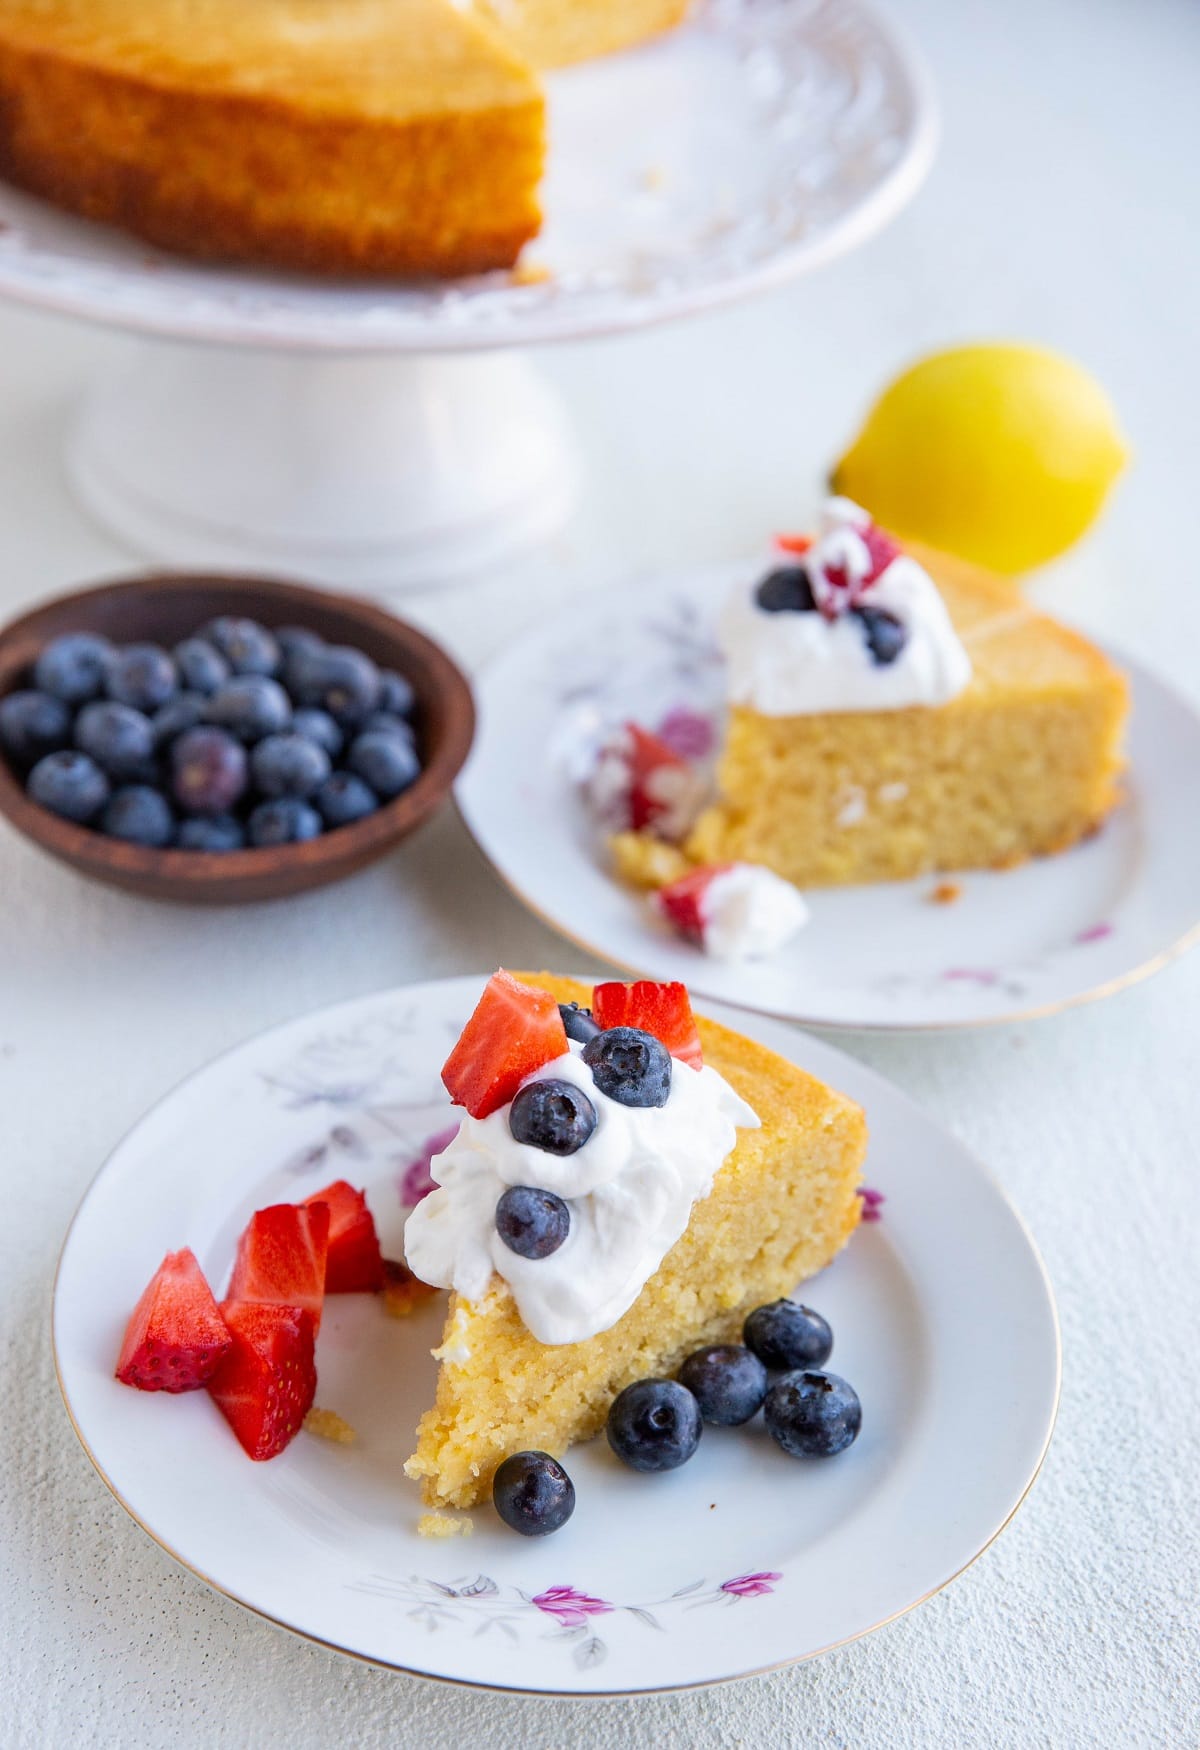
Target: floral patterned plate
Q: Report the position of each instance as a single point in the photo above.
(1001, 945)
(740, 1561)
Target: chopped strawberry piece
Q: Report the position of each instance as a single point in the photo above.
(176, 1338)
(281, 1257)
(354, 1262)
(515, 1029)
(793, 543)
(660, 781)
(265, 1386)
(662, 1009)
(682, 901)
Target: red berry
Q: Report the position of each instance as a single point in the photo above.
(176, 1338)
(665, 1010)
(658, 780)
(793, 543)
(682, 901)
(515, 1029)
(354, 1262)
(265, 1386)
(281, 1258)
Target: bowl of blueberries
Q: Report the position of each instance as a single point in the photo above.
(223, 738)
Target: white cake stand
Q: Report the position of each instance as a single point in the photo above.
(390, 437)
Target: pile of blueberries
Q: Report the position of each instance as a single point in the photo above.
(238, 737)
(655, 1424)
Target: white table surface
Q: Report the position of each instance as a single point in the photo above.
(1065, 207)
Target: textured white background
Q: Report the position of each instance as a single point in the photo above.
(1065, 207)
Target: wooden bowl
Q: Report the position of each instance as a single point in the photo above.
(162, 609)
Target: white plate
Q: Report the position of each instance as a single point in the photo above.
(1016, 943)
(757, 142)
(740, 1561)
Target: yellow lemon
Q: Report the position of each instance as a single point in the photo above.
(1002, 454)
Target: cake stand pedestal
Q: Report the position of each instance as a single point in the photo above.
(379, 472)
(385, 437)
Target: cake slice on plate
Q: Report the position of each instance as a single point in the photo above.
(676, 1184)
(893, 713)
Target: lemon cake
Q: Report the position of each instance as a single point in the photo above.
(883, 726)
(536, 1349)
(368, 137)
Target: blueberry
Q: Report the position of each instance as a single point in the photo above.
(74, 667)
(786, 1334)
(214, 832)
(578, 1023)
(318, 726)
(117, 737)
(654, 1425)
(812, 1414)
(728, 1383)
(630, 1066)
(285, 821)
(533, 1494)
(386, 762)
(247, 647)
(396, 694)
(33, 724)
(289, 765)
(209, 771)
(886, 636)
(250, 706)
(143, 676)
(556, 1117)
(202, 668)
(348, 683)
(343, 799)
(70, 784)
(177, 716)
(387, 723)
(302, 669)
(532, 1223)
(139, 815)
(786, 591)
(292, 640)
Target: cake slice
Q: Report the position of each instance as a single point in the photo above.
(1023, 759)
(781, 1205)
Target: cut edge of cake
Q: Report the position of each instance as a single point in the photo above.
(782, 1206)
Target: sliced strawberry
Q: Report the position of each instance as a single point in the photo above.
(661, 783)
(176, 1338)
(682, 901)
(281, 1257)
(793, 543)
(265, 1386)
(354, 1262)
(662, 1009)
(515, 1029)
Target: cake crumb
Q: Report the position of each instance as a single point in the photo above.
(328, 1425)
(646, 862)
(530, 273)
(946, 892)
(444, 1525)
(403, 1292)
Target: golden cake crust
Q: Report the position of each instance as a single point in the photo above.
(207, 130)
(1025, 762)
(782, 1205)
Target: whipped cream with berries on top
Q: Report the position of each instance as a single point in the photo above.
(609, 1207)
(848, 623)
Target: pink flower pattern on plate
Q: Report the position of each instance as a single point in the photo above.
(569, 1607)
(872, 1203)
(687, 733)
(750, 1585)
(414, 1181)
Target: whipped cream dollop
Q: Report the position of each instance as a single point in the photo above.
(749, 912)
(630, 1191)
(795, 662)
